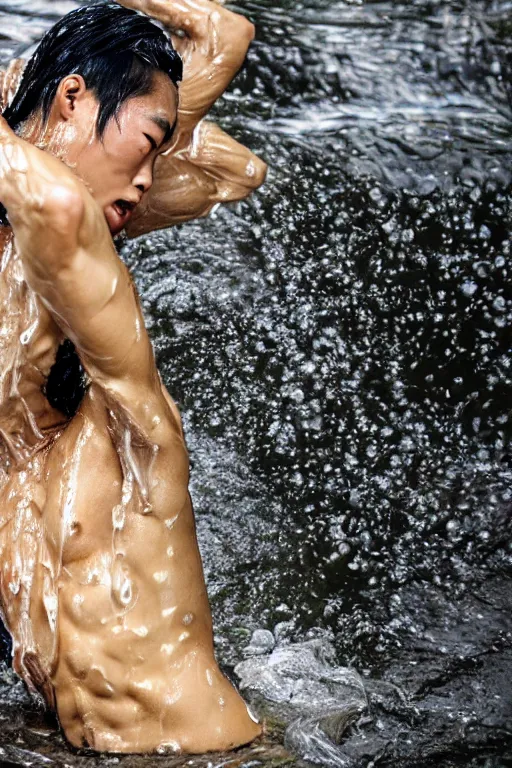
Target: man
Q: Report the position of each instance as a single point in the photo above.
(204, 166)
(101, 582)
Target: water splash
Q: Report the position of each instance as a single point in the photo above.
(340, 346)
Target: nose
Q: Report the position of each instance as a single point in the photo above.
(144, 177)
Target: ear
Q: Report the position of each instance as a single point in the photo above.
(70, 93)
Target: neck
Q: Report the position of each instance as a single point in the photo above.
(52, 138)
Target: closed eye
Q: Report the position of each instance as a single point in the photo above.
(151, 141)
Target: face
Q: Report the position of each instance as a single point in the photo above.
(118, 169)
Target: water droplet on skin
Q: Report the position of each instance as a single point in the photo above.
(250, 169)
(122, 588)
(51, 606)
(118, 517)
(166, 648)
(137, 328)
(125, 593)
(188, 619)
(145, 685)
(161, 576)
(172, 698)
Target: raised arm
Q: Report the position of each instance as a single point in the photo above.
(204, 166)
(70, 261)
(215, 169)
(9, 81)
(212, 42)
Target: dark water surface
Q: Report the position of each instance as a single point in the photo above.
(340, 346)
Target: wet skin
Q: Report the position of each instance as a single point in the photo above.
(203, 166)
(101, 583)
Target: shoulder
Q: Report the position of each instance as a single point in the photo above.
(65, 206)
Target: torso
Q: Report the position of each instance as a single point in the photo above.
(101, 585)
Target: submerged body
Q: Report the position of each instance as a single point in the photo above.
(101, 583)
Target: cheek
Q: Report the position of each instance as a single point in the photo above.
(114, 166)
(123, 149)
(109, 167)
(101, 175)
(124, 160)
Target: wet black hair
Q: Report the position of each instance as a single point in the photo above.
(115, 49)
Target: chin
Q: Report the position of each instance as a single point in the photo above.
(113, 224)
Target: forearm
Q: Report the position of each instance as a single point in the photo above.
(215, 169)
(9, 81)
(193, 17)
(213, 48)
(13, 171)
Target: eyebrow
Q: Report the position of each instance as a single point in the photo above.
(164, 125)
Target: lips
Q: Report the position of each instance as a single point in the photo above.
(118, 214)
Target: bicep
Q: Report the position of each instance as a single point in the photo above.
(214, 169)
(78, 274)
(225, 159)
(93, 299)
(70, 261)
(95, 302)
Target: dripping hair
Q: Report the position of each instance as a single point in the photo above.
(116, 51)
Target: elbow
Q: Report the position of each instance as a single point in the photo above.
(56, 230)
(247, 30)
(261, 172)
(237, 34)
(255, 173)
(62, 198)
(62, 211)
